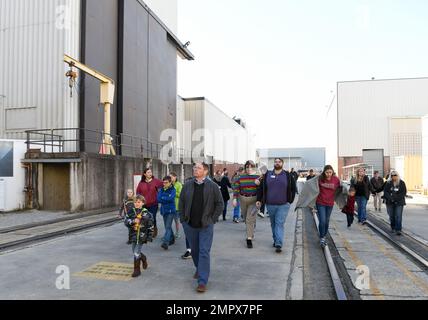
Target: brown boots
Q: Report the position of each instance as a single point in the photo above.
(137, 271)
(155, 232)
(143, 260)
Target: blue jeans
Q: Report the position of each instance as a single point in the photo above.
(395, 216)
(153, 210)
(324, 213)
(236, 211)
(278, 214)
(200, 241)
(169, 234)
(136, 249)
(362, 208)
(225, 209)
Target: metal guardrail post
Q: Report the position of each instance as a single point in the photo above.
(52, 141)
(28, 140)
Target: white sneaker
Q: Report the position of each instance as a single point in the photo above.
(323, 242)
(260, 214)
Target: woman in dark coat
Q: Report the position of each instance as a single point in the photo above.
(395, 197)
(362, 185)
(223, 183)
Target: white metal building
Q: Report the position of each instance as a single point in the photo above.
(211, 133)
(380, 116)
(425, 152)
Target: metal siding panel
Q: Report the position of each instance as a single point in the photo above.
(163, 81)
(194, 113)
(230, 140)
(100, 54)
(135, 72)
(405, 136)
(181, 116)
(374, 158)
(425, 151)
(366, 105)
(31, 49)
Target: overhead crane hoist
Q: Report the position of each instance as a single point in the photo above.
(106, 97)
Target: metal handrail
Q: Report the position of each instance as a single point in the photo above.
(139, 146)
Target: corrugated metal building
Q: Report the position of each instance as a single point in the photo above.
(425, 153)
(33, 89)
(382, 116)
(212, 135)
(297, 158)
(123, 39)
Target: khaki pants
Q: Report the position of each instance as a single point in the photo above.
(377, 198)
(249, 213)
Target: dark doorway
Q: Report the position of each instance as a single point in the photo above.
(56, 186)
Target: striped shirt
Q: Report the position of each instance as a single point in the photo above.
(245, 185)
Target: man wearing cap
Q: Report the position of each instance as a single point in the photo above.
(377, 190)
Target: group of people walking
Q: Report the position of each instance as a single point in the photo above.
(323, 191)
(201, 201)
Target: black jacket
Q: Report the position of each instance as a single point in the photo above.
(366, 184)
(213, 202)
(224, 184)
(395, 197)
(144, 231)
(295, 175)
(377, 184)
(262, 190)
(127, 205)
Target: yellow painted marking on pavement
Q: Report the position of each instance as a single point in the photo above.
(108, 271)
(417, 281)
(373, 287)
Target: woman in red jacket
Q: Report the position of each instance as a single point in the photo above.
(148, 188)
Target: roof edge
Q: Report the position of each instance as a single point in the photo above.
(181, 48)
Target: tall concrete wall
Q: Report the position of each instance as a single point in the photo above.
(101, 181)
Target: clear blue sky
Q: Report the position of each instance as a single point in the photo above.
(274, 61)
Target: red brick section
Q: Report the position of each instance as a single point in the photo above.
(347, 161)
(386, 165)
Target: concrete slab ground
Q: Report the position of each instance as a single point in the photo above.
(392, 275)
(236, 272)
(28, 216)
(415, 219)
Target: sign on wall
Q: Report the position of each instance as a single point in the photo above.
(137, 179)
(6, 159)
